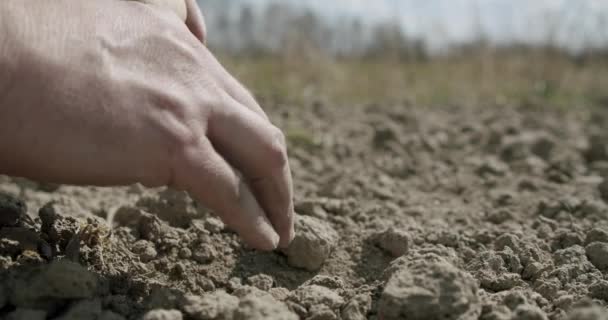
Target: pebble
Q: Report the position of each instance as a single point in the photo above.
(205, 253)
(597, 252)
(59, 228)
(357, 308)
(314, 296)
(314, 241)
(261, 281)
(11, 210)
(145, 249)
(599, 290)
(394, 241)
(596, 235)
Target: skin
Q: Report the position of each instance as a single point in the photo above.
(108, 92)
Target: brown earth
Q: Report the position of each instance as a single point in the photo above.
(405, 213)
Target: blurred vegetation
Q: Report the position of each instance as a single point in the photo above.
(482, 76)
(297, 56)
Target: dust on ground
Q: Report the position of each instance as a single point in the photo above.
(404, 213)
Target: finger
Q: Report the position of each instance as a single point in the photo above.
(257, 149)
(210, 179)
(278, 204)
(195, 21)
(232, 86)
(178, 7)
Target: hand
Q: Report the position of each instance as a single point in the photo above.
(187, 10)
(118, 92)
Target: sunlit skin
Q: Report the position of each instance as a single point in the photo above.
(110, 92)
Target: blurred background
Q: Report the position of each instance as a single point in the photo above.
(495, 52)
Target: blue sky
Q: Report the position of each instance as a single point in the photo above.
(574, 23)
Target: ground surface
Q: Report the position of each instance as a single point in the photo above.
(405, 213)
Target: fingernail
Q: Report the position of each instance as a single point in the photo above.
(274, 239)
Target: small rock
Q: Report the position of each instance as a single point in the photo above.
(312, 245)
(396, 242)
(598, 148)
(58, 228)
(214, 225)
(83, 309)
(528, 312)
(216, 305)
(599, 290)
(160, 314)
(313, 296)
(263, 307)
(26, 314)
(261, 281)
(185, 253)
(513, 299)
(145, 249)
(597, 252)
(331, 282)
(127, 216)
(429, 290)
(150, 227)
(588, 313)
(172, 206)
(532, 271)
(357, 308)
(11, 210)
(492, 166)
(25, 239)
(500, 216)
(596, 235)
(59, 280)
(279, 293)
(507, 240)
(205, 253)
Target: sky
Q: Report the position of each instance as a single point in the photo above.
(572, 23)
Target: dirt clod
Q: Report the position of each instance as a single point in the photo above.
(394, 241)
(213, 306)
(12, 210)
(436, 290)
(160, 314)
(252, 307)
(61, 280)
(357, 308)
(312, 245)
(598, 254)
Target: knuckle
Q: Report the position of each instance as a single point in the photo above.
(277, 151)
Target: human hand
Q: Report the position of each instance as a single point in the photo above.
(115, 92)
(187, 10)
